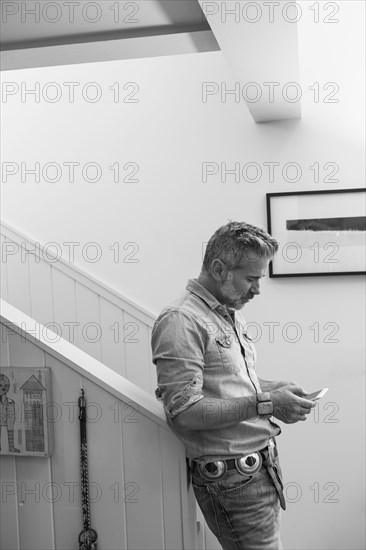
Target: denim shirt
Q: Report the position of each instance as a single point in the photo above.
(201, 349)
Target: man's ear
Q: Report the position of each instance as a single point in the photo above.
(218, 270)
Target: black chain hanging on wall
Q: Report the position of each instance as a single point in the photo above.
(88, 536)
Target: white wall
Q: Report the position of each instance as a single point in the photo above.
(171, 212)
(169, 133)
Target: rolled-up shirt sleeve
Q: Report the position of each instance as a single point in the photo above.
(178, 353)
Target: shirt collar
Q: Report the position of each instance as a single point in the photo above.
(196, 288)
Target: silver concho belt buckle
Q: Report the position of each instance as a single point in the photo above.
(249, 464)
(213, 470)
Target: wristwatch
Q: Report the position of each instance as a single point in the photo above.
(264, 405)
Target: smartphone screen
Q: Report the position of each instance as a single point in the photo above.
(317, 394)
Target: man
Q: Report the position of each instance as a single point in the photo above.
(214, 401)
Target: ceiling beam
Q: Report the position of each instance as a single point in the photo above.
(259, 41)
(103, 49)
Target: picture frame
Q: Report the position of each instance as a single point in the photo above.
(26, 412)
(320, 232)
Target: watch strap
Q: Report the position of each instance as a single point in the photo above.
(265, 396)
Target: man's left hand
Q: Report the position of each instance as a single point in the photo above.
(270, 385)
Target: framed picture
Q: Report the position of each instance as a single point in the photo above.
(25, 412)
(320, 232)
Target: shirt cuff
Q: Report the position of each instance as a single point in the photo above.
(181, 401)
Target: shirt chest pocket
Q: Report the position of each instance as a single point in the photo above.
(229, 353)
(250, 353)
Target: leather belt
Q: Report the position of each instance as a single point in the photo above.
(247, 465)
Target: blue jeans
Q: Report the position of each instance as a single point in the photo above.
(242, 511)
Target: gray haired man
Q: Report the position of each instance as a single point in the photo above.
(213, 399)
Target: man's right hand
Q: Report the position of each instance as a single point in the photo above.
(290, 404)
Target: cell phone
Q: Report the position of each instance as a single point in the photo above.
(317, 394)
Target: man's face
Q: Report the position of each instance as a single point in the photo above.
(242, 283)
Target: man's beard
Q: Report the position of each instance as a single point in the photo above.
(232, 298)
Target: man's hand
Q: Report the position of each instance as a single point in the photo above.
(290, 404)
(270, 385)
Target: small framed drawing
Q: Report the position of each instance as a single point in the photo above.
(25, 412)
(320, 232)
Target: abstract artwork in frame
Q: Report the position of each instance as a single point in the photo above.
(320, 232)
(26, 413)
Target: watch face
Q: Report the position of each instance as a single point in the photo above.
(265, 408)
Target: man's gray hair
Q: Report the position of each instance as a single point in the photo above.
(238, 243)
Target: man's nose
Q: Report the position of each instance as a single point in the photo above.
(255, 288)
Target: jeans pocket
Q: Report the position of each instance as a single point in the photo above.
(205, 500)
(200, 482)
(233, 482)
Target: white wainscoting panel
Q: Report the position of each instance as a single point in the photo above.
(136, 465)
